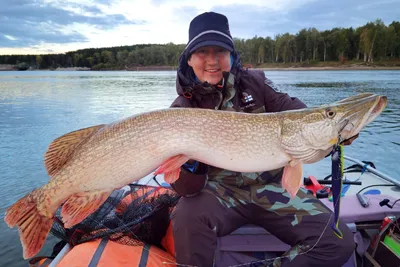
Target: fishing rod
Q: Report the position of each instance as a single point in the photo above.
(374, 171)
(307, 181)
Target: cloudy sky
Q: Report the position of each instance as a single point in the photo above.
(56, 26)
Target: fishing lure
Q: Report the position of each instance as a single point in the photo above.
(337, 184)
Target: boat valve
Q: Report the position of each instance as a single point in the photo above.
(385, 202)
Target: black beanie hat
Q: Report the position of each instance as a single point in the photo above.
(209, 28)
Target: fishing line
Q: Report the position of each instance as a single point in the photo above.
(167, 261)
(297, 254)
(281, 257)
(275, 258)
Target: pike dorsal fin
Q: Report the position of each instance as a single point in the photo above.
(60, 149)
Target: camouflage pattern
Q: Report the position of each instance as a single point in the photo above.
(270, 196)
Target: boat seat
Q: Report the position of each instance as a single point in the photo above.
(255, 238)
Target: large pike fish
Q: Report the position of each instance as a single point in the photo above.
(85, 166)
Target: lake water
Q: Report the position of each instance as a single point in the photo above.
(37, 107)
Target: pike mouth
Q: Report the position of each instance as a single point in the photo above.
(360, 112)
(380, 106)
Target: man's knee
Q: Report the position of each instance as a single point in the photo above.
(323, 244)
(341, 248)
(190, 211)
(346, 244)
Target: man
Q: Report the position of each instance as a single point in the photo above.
(216, 202)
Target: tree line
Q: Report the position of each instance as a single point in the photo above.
(374, 41)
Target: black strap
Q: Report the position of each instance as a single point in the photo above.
(145, 255)
(97, 254)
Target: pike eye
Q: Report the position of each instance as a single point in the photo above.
(330, 113)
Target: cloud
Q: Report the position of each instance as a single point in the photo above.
(342, 13)
(264, 21)
(252, 20)
(65, 25)
(35, 22)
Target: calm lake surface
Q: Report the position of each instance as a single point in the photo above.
(39, 106)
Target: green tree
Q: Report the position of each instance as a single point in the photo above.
(38, 61)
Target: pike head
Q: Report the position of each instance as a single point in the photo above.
(309, 134)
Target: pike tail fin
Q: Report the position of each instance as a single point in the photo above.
(172, 167)
(33, 227)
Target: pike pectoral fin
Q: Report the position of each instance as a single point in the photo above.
(172, 167)
(80, 205)
(292, 177)
(172, 176)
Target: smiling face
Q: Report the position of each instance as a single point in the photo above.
(209, 62)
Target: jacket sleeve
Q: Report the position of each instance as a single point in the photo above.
(190, 182)
(276, 101)
(181, 102)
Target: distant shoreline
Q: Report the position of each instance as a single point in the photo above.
(331, 68)
(267, 68)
